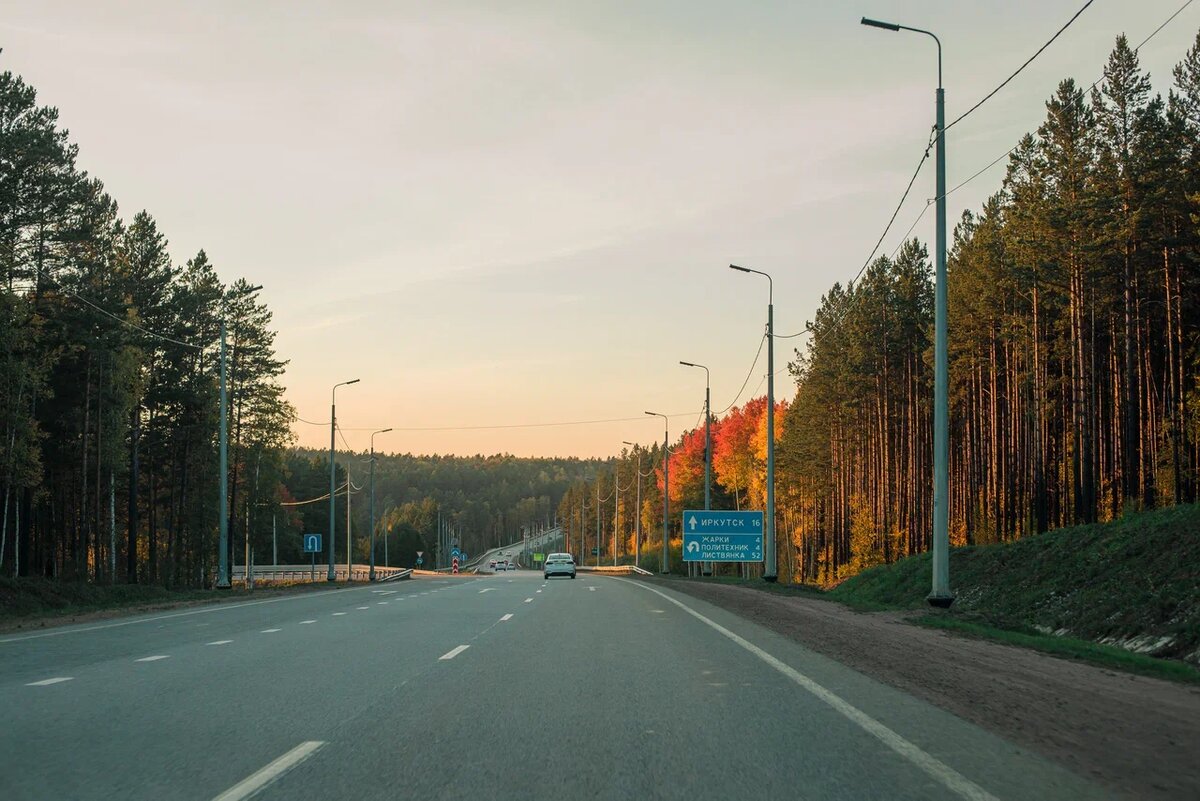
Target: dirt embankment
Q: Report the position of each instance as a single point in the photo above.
(1135, 735)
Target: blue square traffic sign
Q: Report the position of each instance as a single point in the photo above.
(312, 543)
(722, 536)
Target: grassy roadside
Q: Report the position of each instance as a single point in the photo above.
(36, 602)
(1099, 654)
(1122, 595)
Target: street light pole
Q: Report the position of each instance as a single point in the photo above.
(940, 594)
(665, 568)
(616, 508)
(707, 441)
(223, 491)
(637, 517)
(769, 572)
(371, 505)
(332, 490)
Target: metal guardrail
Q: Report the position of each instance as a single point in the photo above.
(306, 574)
(615, 569)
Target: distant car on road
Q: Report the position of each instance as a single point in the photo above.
(559, 564)
(492, 564)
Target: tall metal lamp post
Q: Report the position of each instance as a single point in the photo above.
(940, 594)
(769, 571)
(707, 442)
(332, 490)
(637, 518)
(665, 568)
(371, 505)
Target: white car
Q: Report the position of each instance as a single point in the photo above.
(559, 564)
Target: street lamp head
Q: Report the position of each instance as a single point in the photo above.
(874, 23)
(739, 269)
(384, 431)
(355, 381)
(689, 364)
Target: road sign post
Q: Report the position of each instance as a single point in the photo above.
(312, 547)
(722, 536)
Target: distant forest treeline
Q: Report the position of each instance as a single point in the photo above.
(488, 500)
(1074, 356)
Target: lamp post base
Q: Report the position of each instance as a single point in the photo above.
(940, 601)
(770, 579)
(223, 585)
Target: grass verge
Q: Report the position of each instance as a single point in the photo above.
(1109, 656)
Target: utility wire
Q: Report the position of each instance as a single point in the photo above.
(1028, 61)
(511, 425)
(1093, 85)
(747, 381)
(324, 497)
(121, 320)
(837, 321)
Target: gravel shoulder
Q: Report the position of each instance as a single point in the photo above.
(1133, 734)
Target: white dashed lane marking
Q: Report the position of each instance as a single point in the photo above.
(154, 658)
(506, 617)
(268, 631)
(337, 614)
(48, 682)
(256, 781)
(528, 600)
(381, 603)
(220, 642)
(364, 607)
(453, 652)
(306, 622)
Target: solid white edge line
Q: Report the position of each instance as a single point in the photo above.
(506, 617)
(48, 682)
(261, 778)
(940, 771)
(453, 652)
(154, 658)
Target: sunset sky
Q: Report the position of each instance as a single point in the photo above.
(519, 213)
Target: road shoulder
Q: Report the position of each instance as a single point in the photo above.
(1133, 734)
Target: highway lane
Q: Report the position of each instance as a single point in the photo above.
(506, 686)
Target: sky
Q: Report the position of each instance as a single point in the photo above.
(522, 212)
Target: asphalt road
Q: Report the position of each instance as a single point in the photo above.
(504, 686)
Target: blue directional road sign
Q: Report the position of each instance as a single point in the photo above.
(456, 553)
(312, 543)
(722, 536)
(420, 561)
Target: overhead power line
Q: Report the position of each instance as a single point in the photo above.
(1093, 85)
(754, 364)
(120, 320)
(1028, 61)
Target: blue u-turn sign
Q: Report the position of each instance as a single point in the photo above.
(312, 543)
(722, 536)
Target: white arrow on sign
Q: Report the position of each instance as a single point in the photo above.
(692, 523)
(693, 547)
